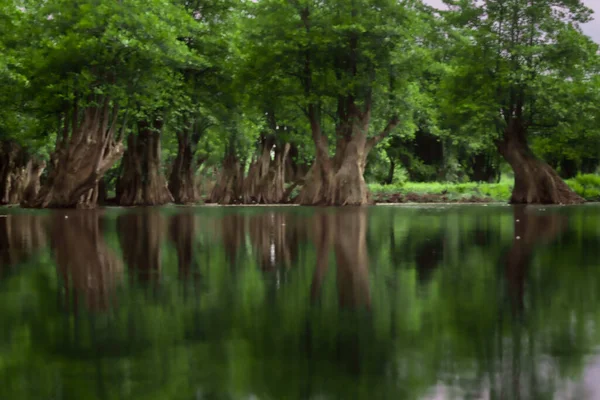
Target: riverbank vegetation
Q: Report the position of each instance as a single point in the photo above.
(241, 102)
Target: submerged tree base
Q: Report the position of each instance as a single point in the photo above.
(535, 181)
(81, 158)
(142, 182)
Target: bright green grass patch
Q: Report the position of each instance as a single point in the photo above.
(587, 186)
(495, 191)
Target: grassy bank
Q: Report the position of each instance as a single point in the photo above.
(587, 186)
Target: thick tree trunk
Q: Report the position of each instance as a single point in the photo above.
(317, 183)
(181, 179)
(265, 183)
(294, 170)
(349, 186)
(90, 198)
(10, 166)
(81, 158)
(35, 169)
(535, 181)
(19, 174)
(142, 182)
(340, 181)
(230, 184)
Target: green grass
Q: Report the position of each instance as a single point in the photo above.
(587, 186)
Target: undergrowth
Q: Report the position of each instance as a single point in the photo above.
(587, 186)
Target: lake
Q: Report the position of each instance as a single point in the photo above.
(386, 302)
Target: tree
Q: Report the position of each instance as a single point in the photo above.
(511, 56)
(349, 67)
(142, 180)
(22, 146)
(202, 89)
(84, 63)
(568, 135)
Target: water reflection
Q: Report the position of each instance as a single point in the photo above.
(464, 302)
(343, 233)
(531, 228)
(88, 268)
(21, 235)
(141, 235)
(182, 230)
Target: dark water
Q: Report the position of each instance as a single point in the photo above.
(465, 302)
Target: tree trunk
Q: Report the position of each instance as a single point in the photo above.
(35, 169)
(340, 181)
(317, 181)
(89, 199)
(19, 175)
(229, 187)
(142, 182)
(9, 165)
(294, 169)
(13, 171)
(181, 179)
(349, 186)
(535, 181)
(265, 183)
(81, 158)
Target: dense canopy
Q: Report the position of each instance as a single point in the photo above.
(273, 101)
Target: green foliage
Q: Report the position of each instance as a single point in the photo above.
(545, 77)
(587, 186)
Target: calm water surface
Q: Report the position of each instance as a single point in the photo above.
(454, 302)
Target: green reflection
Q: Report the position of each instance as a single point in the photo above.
(294, 303)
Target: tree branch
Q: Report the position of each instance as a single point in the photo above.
(391, 125)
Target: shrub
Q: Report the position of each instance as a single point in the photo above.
(587, 186)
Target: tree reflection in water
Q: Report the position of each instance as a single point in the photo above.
(299, 303)
(141, 234)
(21, 235)
(86, 264)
